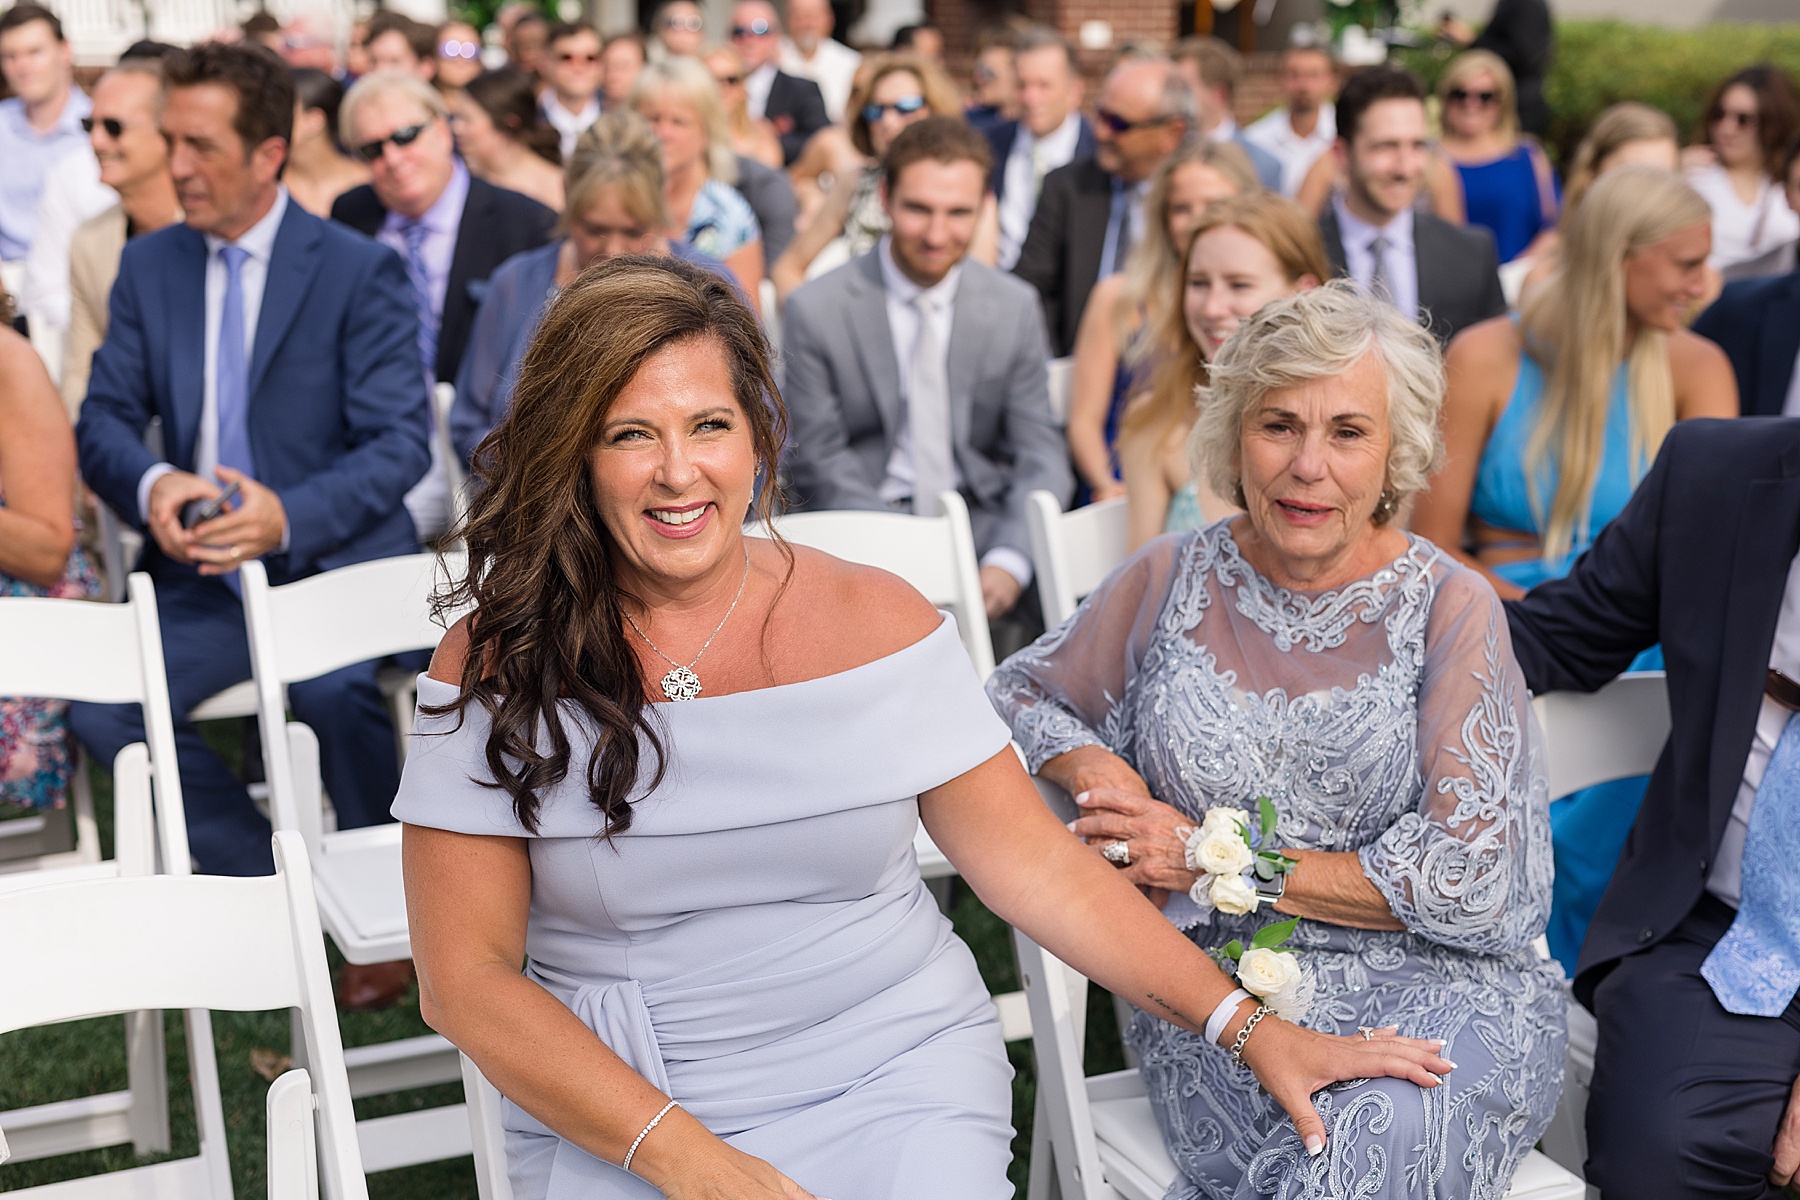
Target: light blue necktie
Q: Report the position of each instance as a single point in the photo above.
(415, 233)
(1118, 231)
(231, 377)
(1755, 968)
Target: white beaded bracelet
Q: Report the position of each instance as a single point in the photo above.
(1221, 1016)
(654, 1122)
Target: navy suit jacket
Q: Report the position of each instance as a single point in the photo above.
(1757, 323)
(338, 406)
(1001, 136)
(1698, 560)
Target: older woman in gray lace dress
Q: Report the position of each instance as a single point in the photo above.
(1362, 680)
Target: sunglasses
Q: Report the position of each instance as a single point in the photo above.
(1120, 125)
(371, 152)
(458, 50)
(115, 128)
(1743, 120)
(688, 24)
(589, 59)
(756, 28)
(905, 106)
(1465, 96)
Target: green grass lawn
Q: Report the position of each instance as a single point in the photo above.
(85, 1057)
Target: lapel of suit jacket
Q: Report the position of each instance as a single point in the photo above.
(1780, 345)
(867, 328)
(1428, 245)
(1334, 241)
(1768, 535)
(476, 209)
(292, 265)
(184, 292)
(1090, 208)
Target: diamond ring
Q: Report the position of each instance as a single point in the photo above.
(1117, 853)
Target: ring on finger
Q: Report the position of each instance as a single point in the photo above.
(236, 554)
(1367, 1031)
(1118, 853)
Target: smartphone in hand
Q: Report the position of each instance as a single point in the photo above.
(195, 512)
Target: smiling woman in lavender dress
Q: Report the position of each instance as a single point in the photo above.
(716, 897)
(1361, 679)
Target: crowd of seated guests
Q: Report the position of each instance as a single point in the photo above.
(403, 218)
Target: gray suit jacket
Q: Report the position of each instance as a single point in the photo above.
(842, 386)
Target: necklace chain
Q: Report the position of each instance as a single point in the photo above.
(681, 683)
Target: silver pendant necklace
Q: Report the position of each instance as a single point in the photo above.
(682, 683)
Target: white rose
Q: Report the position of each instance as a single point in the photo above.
(1225, 820)
(1223, 852)
(1232, 894)
(1267, 972)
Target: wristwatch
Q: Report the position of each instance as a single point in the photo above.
(1268, 891)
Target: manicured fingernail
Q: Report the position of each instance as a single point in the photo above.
(1071, 827)
(1081, 797)
(1315, 1145)
(1452, 1065)
(1438, 1043)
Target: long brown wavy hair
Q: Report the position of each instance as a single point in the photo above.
(548, 624)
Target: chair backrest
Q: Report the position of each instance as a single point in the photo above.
(158, 942)
(1061, 372)
(1073, 551)
(485, 1134)
(934, 554)
(1615, 733)
(456, 478)
(104, 654)
(304, 629)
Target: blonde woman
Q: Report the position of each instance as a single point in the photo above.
(1111, 349)
(1242, 254)
(680, 100)
(749, 137)
(1509, 187)
(1552, 418)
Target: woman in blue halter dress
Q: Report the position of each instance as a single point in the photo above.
(1495, 505)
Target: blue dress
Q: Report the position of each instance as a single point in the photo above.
(1588, 827)
(759, 945)
(1503, 196)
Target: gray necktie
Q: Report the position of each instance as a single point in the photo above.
(1379, 285)
(928, 412)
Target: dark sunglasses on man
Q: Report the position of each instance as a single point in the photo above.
(115, 128)
(756, 28)
(1122, 125)
(1465, 96)
(589, 59)
(371, 152)
(904, 106)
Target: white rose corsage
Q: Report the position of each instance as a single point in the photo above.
(1269, 971)
(1235, 864)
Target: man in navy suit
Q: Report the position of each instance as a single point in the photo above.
(278, 352)
(1690, 965)
(1050, 132)
(1757, 323)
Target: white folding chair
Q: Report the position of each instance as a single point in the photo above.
(1096, 1138)
(443, 398)
(106, 654)
(1616, 733)
(299, 631)
(1073, 551)
(163, 941)
(1061, 371)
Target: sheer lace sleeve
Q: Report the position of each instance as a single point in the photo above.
(1067, 689)
(1471, 869)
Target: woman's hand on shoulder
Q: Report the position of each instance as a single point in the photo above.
(1292, 1063)
(1705, 384)
(451, 653)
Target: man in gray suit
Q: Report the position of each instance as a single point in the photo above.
(911, 371)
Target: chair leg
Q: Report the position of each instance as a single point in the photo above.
(87, 830)
(209, 1105)
(146, 1068)
(1041, 1183)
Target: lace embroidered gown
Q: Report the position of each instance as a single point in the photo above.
(1389, 718)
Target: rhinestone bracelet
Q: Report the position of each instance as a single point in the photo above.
(657, 1120)
(1237, 1047)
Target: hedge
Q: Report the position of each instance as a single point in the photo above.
(1599, 63)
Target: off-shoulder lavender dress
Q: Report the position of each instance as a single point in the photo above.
(759, 944)
(1385, 718)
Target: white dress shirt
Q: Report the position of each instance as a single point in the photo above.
(1275, 133)
(756, 90)
(258, 243)
(1791, 406)
(1024, 179)
(569, 126)
(903, 325)
(1402, 259)
(1725, 880)
(832, 66)
(72, 194)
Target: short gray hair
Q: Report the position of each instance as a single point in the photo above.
(1319, 334)
(380, 84)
